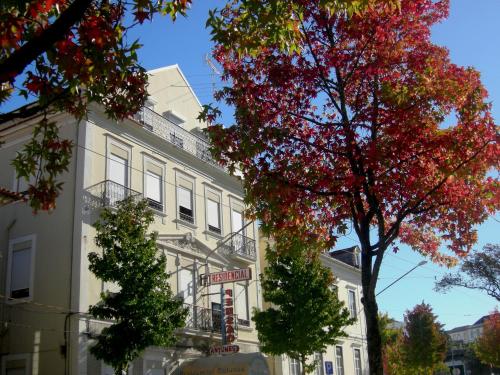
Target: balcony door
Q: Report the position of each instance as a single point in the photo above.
(237, 221)
(117, 174)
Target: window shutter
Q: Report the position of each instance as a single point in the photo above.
(118, 169)
(153, 186)
(184, 197)
(237, 220)
(213, 213)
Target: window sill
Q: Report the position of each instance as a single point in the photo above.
(213, 234)
(186, 223)
(244, 328)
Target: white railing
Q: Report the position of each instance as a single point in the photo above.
(177, 136)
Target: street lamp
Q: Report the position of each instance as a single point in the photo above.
(400, 277)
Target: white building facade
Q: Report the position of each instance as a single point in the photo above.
(160, 155)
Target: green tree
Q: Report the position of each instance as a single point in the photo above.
(306, 315)
(423, 341)
(144, 310)
(480, 270)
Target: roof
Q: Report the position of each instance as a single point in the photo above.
(481, 320)
(348, 256)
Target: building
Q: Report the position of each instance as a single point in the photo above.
(460, 356)
(350, 355)
(161, 155)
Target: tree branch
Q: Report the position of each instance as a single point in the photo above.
(40, 43)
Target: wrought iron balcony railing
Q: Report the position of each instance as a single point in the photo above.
(204, 319)
(107, 194)
(177, 136)
(241, 245)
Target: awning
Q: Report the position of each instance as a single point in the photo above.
(233, 364)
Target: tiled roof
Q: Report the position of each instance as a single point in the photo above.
(348, 256)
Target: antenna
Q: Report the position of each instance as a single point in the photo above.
(215, 72)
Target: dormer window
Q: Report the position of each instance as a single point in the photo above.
(174, 117)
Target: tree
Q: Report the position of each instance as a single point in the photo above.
(424, 341)
(480, 270)
(487, 346)
(350, 130)
(391, 343)
(306, 315)
(66, 54)
(144, 309)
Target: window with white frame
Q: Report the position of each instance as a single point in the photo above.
(357, 362)
(21, 268)
(351, 294)
(241, 302)
(22, 184)
(153, 184)
(213, 206)
(185, 201)
(339, 357)
(318, 359)
(294, 368)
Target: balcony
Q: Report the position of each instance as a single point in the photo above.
(107, 194)
(241, 247)
(174, 134)
(205, 320)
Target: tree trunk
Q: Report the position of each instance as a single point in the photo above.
(303, 364)
(373, 333)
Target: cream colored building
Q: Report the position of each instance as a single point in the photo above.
(163, 156)
(350, 355)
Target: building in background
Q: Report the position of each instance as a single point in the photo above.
(460, 357)
(350, 355)
(160, 155)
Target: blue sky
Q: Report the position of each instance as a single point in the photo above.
(470, 34)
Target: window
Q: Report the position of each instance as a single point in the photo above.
(241, 302)
(185, 287)
(153, 184)
(213, 216)
(21, 268)
(16, 364)
(117, 172)
(318, 359)
(294, 366)
(357, 361)
(352, 304)
(237, 220)
(339, 356)
(185, 201)
(213, 199)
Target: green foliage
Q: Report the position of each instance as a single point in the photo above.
(424, 341)
(145, 310)
(306, 315)
(389, 334)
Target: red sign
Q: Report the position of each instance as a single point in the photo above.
(230, 276)
(225, 349)
(229, 315)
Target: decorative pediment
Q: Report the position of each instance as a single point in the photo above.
(189, 244)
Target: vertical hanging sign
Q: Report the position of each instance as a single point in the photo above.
(228, 316)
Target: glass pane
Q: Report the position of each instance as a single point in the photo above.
(20, 270)
(241, 301)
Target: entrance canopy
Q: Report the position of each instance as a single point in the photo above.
(234, 364)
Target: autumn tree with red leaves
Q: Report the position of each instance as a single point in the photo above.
(350, 130)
